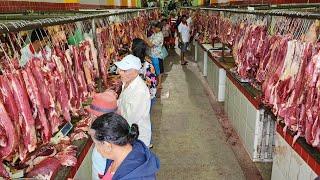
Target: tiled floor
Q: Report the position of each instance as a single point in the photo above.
(187, 136)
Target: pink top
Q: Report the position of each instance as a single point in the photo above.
(107, 176)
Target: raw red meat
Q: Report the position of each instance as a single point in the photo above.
(26, 121)
(46, 97)
(35, 97)
(47, 168)
(10, 134)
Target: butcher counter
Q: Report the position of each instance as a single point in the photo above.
(255, 124)
(84, 149)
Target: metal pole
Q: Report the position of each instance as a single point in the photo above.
(71, 19)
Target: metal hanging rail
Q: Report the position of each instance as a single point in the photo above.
(28, 25)
(295, 14)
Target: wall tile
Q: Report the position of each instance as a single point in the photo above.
(250, 141)
(222, 76)
(221, 93)
(252, 115)
(313, 175)
(304, 171)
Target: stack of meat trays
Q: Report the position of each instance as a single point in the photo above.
(264, 138)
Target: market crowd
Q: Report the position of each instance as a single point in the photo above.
(122, 128)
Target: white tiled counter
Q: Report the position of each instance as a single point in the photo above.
(255, 128)
(200, 57)
(216, 78)
(85, 169)
(287, 164)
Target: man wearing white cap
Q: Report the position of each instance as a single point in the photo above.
(134, 100)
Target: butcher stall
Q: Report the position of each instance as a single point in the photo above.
(265, 63)
(44, 122)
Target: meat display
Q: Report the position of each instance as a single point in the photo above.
(37, 99)
(279, 55)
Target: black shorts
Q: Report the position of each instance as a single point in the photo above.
(161, 66)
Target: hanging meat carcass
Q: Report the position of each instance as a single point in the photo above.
(26, 121)
(10, 134)
(41, 120)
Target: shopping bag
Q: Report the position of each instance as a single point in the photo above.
(164, 52)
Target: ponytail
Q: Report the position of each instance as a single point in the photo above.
(133, 133)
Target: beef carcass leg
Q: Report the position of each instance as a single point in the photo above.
(34, 94)
(10, 132)
(26, 120)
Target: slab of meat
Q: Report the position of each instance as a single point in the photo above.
(102, 51)
(35, 97)
(26, 121)
(82, 86)
(46, 97)
(10, 133)
(41, 153)
(62, 97)
(94, 55)
(47, 169)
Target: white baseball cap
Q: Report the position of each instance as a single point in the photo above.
(129, 62)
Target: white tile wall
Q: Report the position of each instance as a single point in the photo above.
(245, 118)
(287, 164)
(205, 64)
(85, 169)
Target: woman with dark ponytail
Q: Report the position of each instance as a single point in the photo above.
(128, 157)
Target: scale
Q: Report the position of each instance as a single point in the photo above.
(62, 133)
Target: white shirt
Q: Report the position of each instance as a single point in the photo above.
(98, 164)
(27, 54)
(185, 32)
(134, 105)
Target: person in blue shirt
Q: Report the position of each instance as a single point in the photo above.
(128, 157)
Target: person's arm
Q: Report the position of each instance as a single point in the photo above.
(179, 34)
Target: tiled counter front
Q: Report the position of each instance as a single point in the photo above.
(287, 164)
(216, 78)
(255, 128)
(200, 57)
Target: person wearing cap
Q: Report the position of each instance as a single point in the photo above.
(102, 103)
(37, 48)
(134, 100)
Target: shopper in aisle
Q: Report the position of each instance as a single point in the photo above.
(37, 48)
(101, 103)
(147, 72)
(184, 37)
(166, 33)
(134, 100)
(128, 158)
(155, 43)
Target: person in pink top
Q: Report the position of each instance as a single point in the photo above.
(127, 157)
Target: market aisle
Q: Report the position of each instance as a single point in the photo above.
(187, 135)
